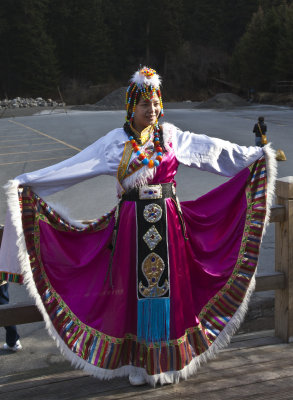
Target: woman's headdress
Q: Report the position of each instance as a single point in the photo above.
(147, 82)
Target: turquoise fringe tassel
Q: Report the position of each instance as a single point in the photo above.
(153, 320)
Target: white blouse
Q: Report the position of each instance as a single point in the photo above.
(103, 158)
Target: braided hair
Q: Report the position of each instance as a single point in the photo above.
(144, 83)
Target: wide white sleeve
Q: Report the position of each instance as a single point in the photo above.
(102, 157)
(212, 154)
(92, 161)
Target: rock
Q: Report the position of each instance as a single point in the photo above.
(19, 102)
(223, 100)
(114, 100)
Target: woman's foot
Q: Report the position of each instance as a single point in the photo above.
(136, 380)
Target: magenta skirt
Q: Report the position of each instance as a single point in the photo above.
(211, 273)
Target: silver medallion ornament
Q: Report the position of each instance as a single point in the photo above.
(152, 237)
(152, 213)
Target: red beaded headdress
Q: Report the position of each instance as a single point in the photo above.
(147, 82)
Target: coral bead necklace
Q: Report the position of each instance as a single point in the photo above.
(142, 157)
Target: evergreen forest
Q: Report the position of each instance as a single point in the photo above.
(95, 45)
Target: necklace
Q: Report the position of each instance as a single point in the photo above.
(142, 157)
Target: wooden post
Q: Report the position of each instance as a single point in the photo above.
(284, 261)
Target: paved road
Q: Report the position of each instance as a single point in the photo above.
(30, 143)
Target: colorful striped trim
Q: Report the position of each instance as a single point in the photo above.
(220, 309)
(137, 164)
(10, 277)
(30, 201)
(110, 353)
(127, 152)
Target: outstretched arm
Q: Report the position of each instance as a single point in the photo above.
(213, 154)
(90, 162)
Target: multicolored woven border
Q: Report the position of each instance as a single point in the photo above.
(10, 277)
(219, 311)
(108, 352)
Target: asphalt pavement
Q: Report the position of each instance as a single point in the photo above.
(33, 142)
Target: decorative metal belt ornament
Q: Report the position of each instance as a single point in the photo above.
(153, 288)
(152, 272)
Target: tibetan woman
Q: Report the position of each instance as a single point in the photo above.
(154, 287)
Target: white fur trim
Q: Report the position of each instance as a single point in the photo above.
(272, 173)
(11, 189)
(141, 79)
(139, 178)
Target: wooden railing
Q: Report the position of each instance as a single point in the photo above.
(281, 280)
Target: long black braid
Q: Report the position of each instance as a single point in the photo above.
(161, 136)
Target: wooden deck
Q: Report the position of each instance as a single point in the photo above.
(254, 367)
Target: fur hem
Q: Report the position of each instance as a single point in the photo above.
(271, 165)
(11, 189)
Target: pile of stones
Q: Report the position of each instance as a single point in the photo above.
(20, 102)
(113, 101)
(224, 100)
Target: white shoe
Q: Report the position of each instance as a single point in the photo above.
(136, 380)
(16, 347)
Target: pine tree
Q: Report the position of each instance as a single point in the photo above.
(253, 59)
(143, 33)
(284, 58)
(216, 23)
(165, 20)
(124, 20)
(59, 25)
(81, 37)
(94, 41)
(153, 29)
(30, 67)
(232, 19)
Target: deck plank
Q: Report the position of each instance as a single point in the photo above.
(254, 367)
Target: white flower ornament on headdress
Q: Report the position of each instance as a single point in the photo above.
(146, 76)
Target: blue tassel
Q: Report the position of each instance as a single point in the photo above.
(153, 320)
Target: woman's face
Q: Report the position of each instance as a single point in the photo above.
(146, 113)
